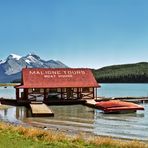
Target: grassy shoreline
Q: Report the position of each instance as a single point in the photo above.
(35, 137)
(8, 84)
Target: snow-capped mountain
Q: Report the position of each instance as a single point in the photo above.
(10, 69)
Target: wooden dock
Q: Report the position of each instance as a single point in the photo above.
(134, 99)
(40, 110)
(90, 103)
(143, 100)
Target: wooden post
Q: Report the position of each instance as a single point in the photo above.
(96, 92)
(80, 93)
(25, 93)
(45, 99)
(17, 93)
(93, 93)
(61, 93)
(78, 97)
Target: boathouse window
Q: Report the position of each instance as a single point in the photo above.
(41, 90)
(30, 90)
(86, 89)
(35, 90)
(52, 93)
(52, 90)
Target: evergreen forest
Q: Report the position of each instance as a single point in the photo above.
(128, 73)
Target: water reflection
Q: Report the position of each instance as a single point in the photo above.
(8, 92)
(133, 125)
(9, 115)
(81, 118)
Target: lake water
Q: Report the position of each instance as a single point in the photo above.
(77, 118)
(8, 92)
(123, 90)
(106, 90)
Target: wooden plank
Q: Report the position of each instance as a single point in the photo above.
(90, 103)
(143, 100)
(40, 110)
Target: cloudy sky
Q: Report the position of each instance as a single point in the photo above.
(80, 33)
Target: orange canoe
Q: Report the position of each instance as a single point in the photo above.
(117, 106)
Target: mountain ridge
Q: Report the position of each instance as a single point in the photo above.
(10, 69)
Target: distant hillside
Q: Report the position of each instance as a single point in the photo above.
(128, 73)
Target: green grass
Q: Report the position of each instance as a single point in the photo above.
(24, 137)
(16, 140)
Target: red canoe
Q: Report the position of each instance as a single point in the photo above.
(117, 106)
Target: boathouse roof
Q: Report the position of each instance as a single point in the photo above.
(57, 78)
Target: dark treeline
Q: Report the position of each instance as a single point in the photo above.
(16, 81)
(129, 73)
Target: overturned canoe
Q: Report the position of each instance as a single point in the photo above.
(117, 106)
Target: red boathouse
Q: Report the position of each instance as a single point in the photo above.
(46, 84)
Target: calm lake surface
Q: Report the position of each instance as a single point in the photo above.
(123, 90)
(77, 118)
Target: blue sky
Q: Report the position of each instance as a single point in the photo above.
(80, 33)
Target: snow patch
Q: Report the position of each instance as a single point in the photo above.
(27, 61)
(15, 56)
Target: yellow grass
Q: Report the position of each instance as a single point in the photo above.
(8, 84)
(52, 136)
(118, 143)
